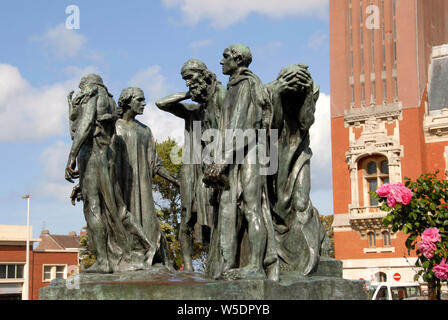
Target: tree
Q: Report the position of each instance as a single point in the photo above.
(169, 205)
(86, 256)
(168, 200)
(419, 209)
(327, 222)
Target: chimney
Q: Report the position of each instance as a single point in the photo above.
(72, 234)
(44, 233)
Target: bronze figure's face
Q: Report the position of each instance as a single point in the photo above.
(229, 64)
(194, 79)
(138, 102)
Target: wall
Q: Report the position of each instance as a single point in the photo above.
(52, 258)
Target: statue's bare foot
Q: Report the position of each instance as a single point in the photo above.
(243, 273)
(99, 268)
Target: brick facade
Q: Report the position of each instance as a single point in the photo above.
(379, 79)
(53, 250)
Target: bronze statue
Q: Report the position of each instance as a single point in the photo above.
(243, 245)
(257, 223)
(298, 229)
(110, 183)
(92, 121)
(208, 93)
(136, 163)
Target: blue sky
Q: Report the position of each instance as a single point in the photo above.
(134, 43)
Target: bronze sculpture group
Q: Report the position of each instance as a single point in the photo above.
(257, 222)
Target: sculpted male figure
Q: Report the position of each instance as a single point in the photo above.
(246, 106)
(298, 228)
(136, 163)
(208, 93)
(92, 129)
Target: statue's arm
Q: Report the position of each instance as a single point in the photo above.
(275, 90)
(158, 168)
(173, 104)
(165, 174)
(85, 126)
(70, 112)
(306, 114)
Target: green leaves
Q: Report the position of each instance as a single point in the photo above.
(428, 208)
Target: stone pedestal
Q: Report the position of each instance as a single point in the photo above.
(158, 284)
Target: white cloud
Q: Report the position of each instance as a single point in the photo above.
(151, 81)
(320, 133)
(74, 72)
(162, 124)
(200, 44)
(62, 42)
(321, 169)
(52, 183)
(224, 13)
(32, 113)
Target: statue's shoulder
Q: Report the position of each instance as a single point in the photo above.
(251, 79)
(143, 127)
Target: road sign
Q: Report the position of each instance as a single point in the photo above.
(397, 276)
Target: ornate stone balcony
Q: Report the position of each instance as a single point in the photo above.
(364, 219)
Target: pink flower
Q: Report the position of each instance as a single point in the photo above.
(441, 270)
(427, 248)
(431, 234)
(391, 202)
(383, 190)
(395, 193)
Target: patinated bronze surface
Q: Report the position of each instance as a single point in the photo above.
(257, 223)
(116, 161)
(208, 93)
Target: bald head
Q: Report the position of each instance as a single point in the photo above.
(242, 52)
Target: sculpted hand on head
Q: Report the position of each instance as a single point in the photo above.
(294, 79)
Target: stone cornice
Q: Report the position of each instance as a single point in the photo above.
(435, 126)
(358, 116)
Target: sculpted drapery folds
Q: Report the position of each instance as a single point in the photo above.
(113, 180)
(136, 163)
(257, 222)
(92, 120)
(208, 93)
(299, 232)
(243, 244)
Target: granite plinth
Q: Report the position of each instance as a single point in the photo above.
(160, 284)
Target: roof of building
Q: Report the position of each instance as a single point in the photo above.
(58, 242)
(12, 233)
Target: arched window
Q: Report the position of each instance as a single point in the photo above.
(386, 238)
(372, 239)
(376, 173)
(380, 277)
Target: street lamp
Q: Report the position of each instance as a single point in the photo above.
(27, 266)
